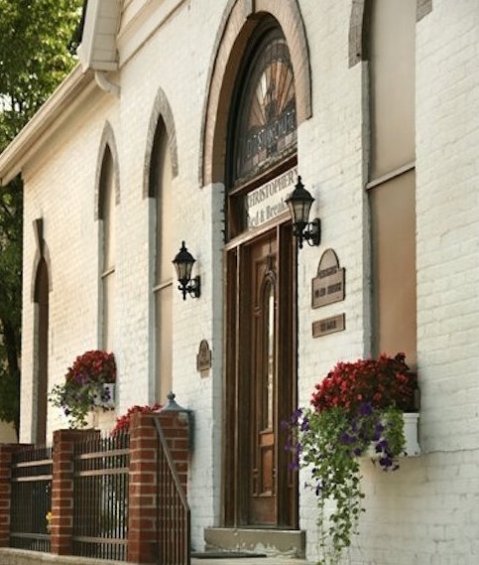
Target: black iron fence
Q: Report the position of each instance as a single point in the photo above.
(100, 494)
(100, 516)
(174, 521)
(31, 499)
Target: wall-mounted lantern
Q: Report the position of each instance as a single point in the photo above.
(299, 203)
(184, 264)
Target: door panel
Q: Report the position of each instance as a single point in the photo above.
(263, 342)
(260, 380)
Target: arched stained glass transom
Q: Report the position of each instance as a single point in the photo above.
(265, 131)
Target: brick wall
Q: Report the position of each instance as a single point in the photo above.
(142, 490)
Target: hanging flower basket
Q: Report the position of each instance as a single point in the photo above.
(89, 383)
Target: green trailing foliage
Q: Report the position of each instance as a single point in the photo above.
(35, 44)
(356, 411)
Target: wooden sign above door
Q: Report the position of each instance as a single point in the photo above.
(268, 201)
(329, 284)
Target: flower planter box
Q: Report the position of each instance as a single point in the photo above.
(106, 399)
(411, 444)
(411, 447)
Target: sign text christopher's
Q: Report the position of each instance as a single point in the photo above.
(267, 201)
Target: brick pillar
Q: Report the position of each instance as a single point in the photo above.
(142, 489)
(62, 489)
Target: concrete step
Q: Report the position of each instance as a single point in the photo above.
(270, 542)
(251, 561)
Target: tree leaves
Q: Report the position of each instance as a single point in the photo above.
(34, 58)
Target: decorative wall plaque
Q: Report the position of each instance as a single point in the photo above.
(329, 284)
(203, 359)
(328, 326)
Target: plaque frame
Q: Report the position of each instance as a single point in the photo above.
(329, 285)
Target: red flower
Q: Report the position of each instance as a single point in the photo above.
(123, 423)
(382, 382)
(93, 366)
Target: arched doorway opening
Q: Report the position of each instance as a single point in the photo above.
(260, 370)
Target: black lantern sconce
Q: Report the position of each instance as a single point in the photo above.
(299, 203)
(183, 263)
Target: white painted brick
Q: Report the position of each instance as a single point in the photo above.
(425, 514)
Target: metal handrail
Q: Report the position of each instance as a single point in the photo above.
(182, 497)
(171, 465)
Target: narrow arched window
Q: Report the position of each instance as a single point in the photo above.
(41, 299)
(160, 190)
(392, 175)
(108, 250)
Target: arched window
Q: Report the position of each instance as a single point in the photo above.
(161, 174)
(266, 129)
(262, 133)
(41, 299)
(108, 249)
(392, 176)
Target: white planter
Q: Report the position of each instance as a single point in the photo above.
(107, 398)
(411, 447)
(411, 444)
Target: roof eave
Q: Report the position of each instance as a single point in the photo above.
(18, 151)
(98, 49)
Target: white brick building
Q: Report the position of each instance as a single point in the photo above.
(384, 98)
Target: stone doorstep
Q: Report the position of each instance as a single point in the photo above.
(271, 542)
